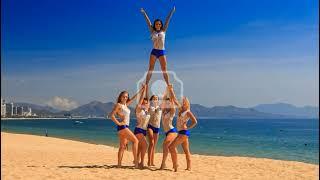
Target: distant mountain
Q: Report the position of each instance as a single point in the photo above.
(94, 108)
(230, 112)
(99, 109)
(289, 110)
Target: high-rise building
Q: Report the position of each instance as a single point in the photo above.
(9, 109)
(15, 111)
(20, 111)
(3, 108)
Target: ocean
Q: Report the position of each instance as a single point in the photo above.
(283, 139)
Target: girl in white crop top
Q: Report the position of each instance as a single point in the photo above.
(158, 34)
(153, 127)
(168, 113)
(184, 116)
(125, 113)
(140, 130)
(121, 110)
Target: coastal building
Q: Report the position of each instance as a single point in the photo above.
(15, 111)
(9, 109)
(3, 108)
(20, 111)
(28, 112)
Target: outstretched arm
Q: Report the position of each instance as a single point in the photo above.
(168, 18)
(173, 96)
(164, 96)
(173, 107)
(135, 96)
(142, 95)
(138, 107)
(147, 19)
(193, 120)
(147, 91)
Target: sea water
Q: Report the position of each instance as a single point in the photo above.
(283, 139)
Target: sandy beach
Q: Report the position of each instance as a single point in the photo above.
(37, 157)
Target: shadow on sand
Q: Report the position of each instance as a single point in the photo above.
(112, 166)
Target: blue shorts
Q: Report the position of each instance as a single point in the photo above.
(157, 52)
(139, 130)
(184, 132)
(154, 129)
(173, 130)
(122, 127)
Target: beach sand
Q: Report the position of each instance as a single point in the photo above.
(39, 157)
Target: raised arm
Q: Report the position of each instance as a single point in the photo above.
(112, 116)
(135, 96)
(173, 96)
(147, 19)
(172, 107)
(193, 120)
(164, 96)
(168, 18)
(147, 91)
(141, 97)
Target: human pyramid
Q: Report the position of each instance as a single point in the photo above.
(150, 112)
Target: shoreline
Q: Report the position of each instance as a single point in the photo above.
(38, 157)
(56, 118)
(88, 118)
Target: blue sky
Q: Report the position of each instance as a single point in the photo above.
(239, 53)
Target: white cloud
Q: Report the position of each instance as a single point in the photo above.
(62, 103)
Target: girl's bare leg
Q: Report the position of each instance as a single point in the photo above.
(186, 149)
(143, 146)
(139, 148)
(173, 150)
(151, 144)
(152, 61)
(169, 139)
(163, 64)
(131, 137)
(122, 148)
(155, 140)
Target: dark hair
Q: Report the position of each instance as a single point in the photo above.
(154, 24)
(145, 99)
(153, 97)
(120, 95)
